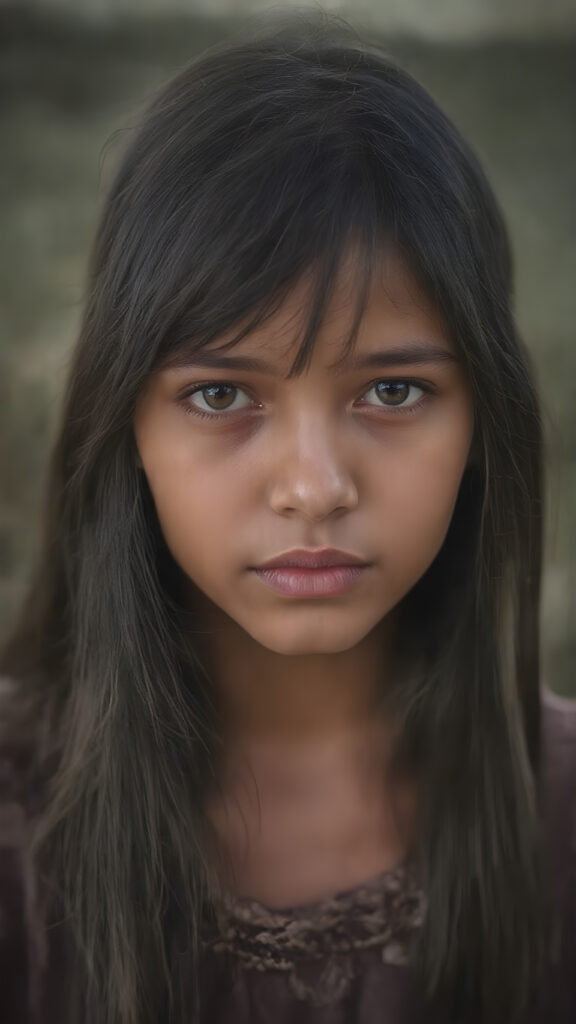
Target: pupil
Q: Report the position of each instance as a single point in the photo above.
(219, 394)
(394, 394)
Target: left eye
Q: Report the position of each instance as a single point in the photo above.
(395, 393)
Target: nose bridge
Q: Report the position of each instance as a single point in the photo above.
(312, 444)
(312, 469)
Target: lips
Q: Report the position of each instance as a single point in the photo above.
(306, 574)
(307, 559)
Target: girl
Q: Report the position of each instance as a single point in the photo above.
(274, 741)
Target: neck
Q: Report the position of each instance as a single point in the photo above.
(264, 696)
(305, 741)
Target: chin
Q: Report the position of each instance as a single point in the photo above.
(301, 642)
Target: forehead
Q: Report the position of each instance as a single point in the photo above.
(367, 303)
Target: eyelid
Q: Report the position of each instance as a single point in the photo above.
(200, 385)
(386, 379)
(415, 382)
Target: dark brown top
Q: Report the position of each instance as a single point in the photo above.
(342, 960)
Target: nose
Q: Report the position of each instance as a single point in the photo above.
(312, 473)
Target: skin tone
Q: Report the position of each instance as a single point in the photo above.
(367, 460)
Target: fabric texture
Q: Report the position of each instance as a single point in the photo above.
(317, 947)
(343, 960)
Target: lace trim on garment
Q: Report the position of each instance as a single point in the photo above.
(315, 946)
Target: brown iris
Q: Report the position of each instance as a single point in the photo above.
(221, 395)
(392, 392)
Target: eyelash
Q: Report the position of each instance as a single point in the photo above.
(190, 410)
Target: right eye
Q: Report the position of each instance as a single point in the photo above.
(218, 397)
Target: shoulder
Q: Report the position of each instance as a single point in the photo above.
(559, 736)
(13, 816)
(14, 890)
(558, 708)
(558, 791)
(14, 823)
(558, 815)
(11, 790)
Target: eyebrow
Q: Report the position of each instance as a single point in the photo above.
(417, 352)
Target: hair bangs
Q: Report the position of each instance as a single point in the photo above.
(299, 231)
(234, 212)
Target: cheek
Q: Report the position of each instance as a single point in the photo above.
(196, 510)
(184, 504)
(417, 495)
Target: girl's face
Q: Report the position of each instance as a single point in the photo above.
(244, 465)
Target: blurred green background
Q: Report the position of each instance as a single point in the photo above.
(70, 89)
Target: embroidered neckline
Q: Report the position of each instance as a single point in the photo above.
(316, 947)
(382, 913)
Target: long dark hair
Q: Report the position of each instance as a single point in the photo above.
(261, 160)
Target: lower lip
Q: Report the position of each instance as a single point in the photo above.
(328, 582)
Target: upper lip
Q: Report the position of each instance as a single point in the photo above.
(303, 558)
